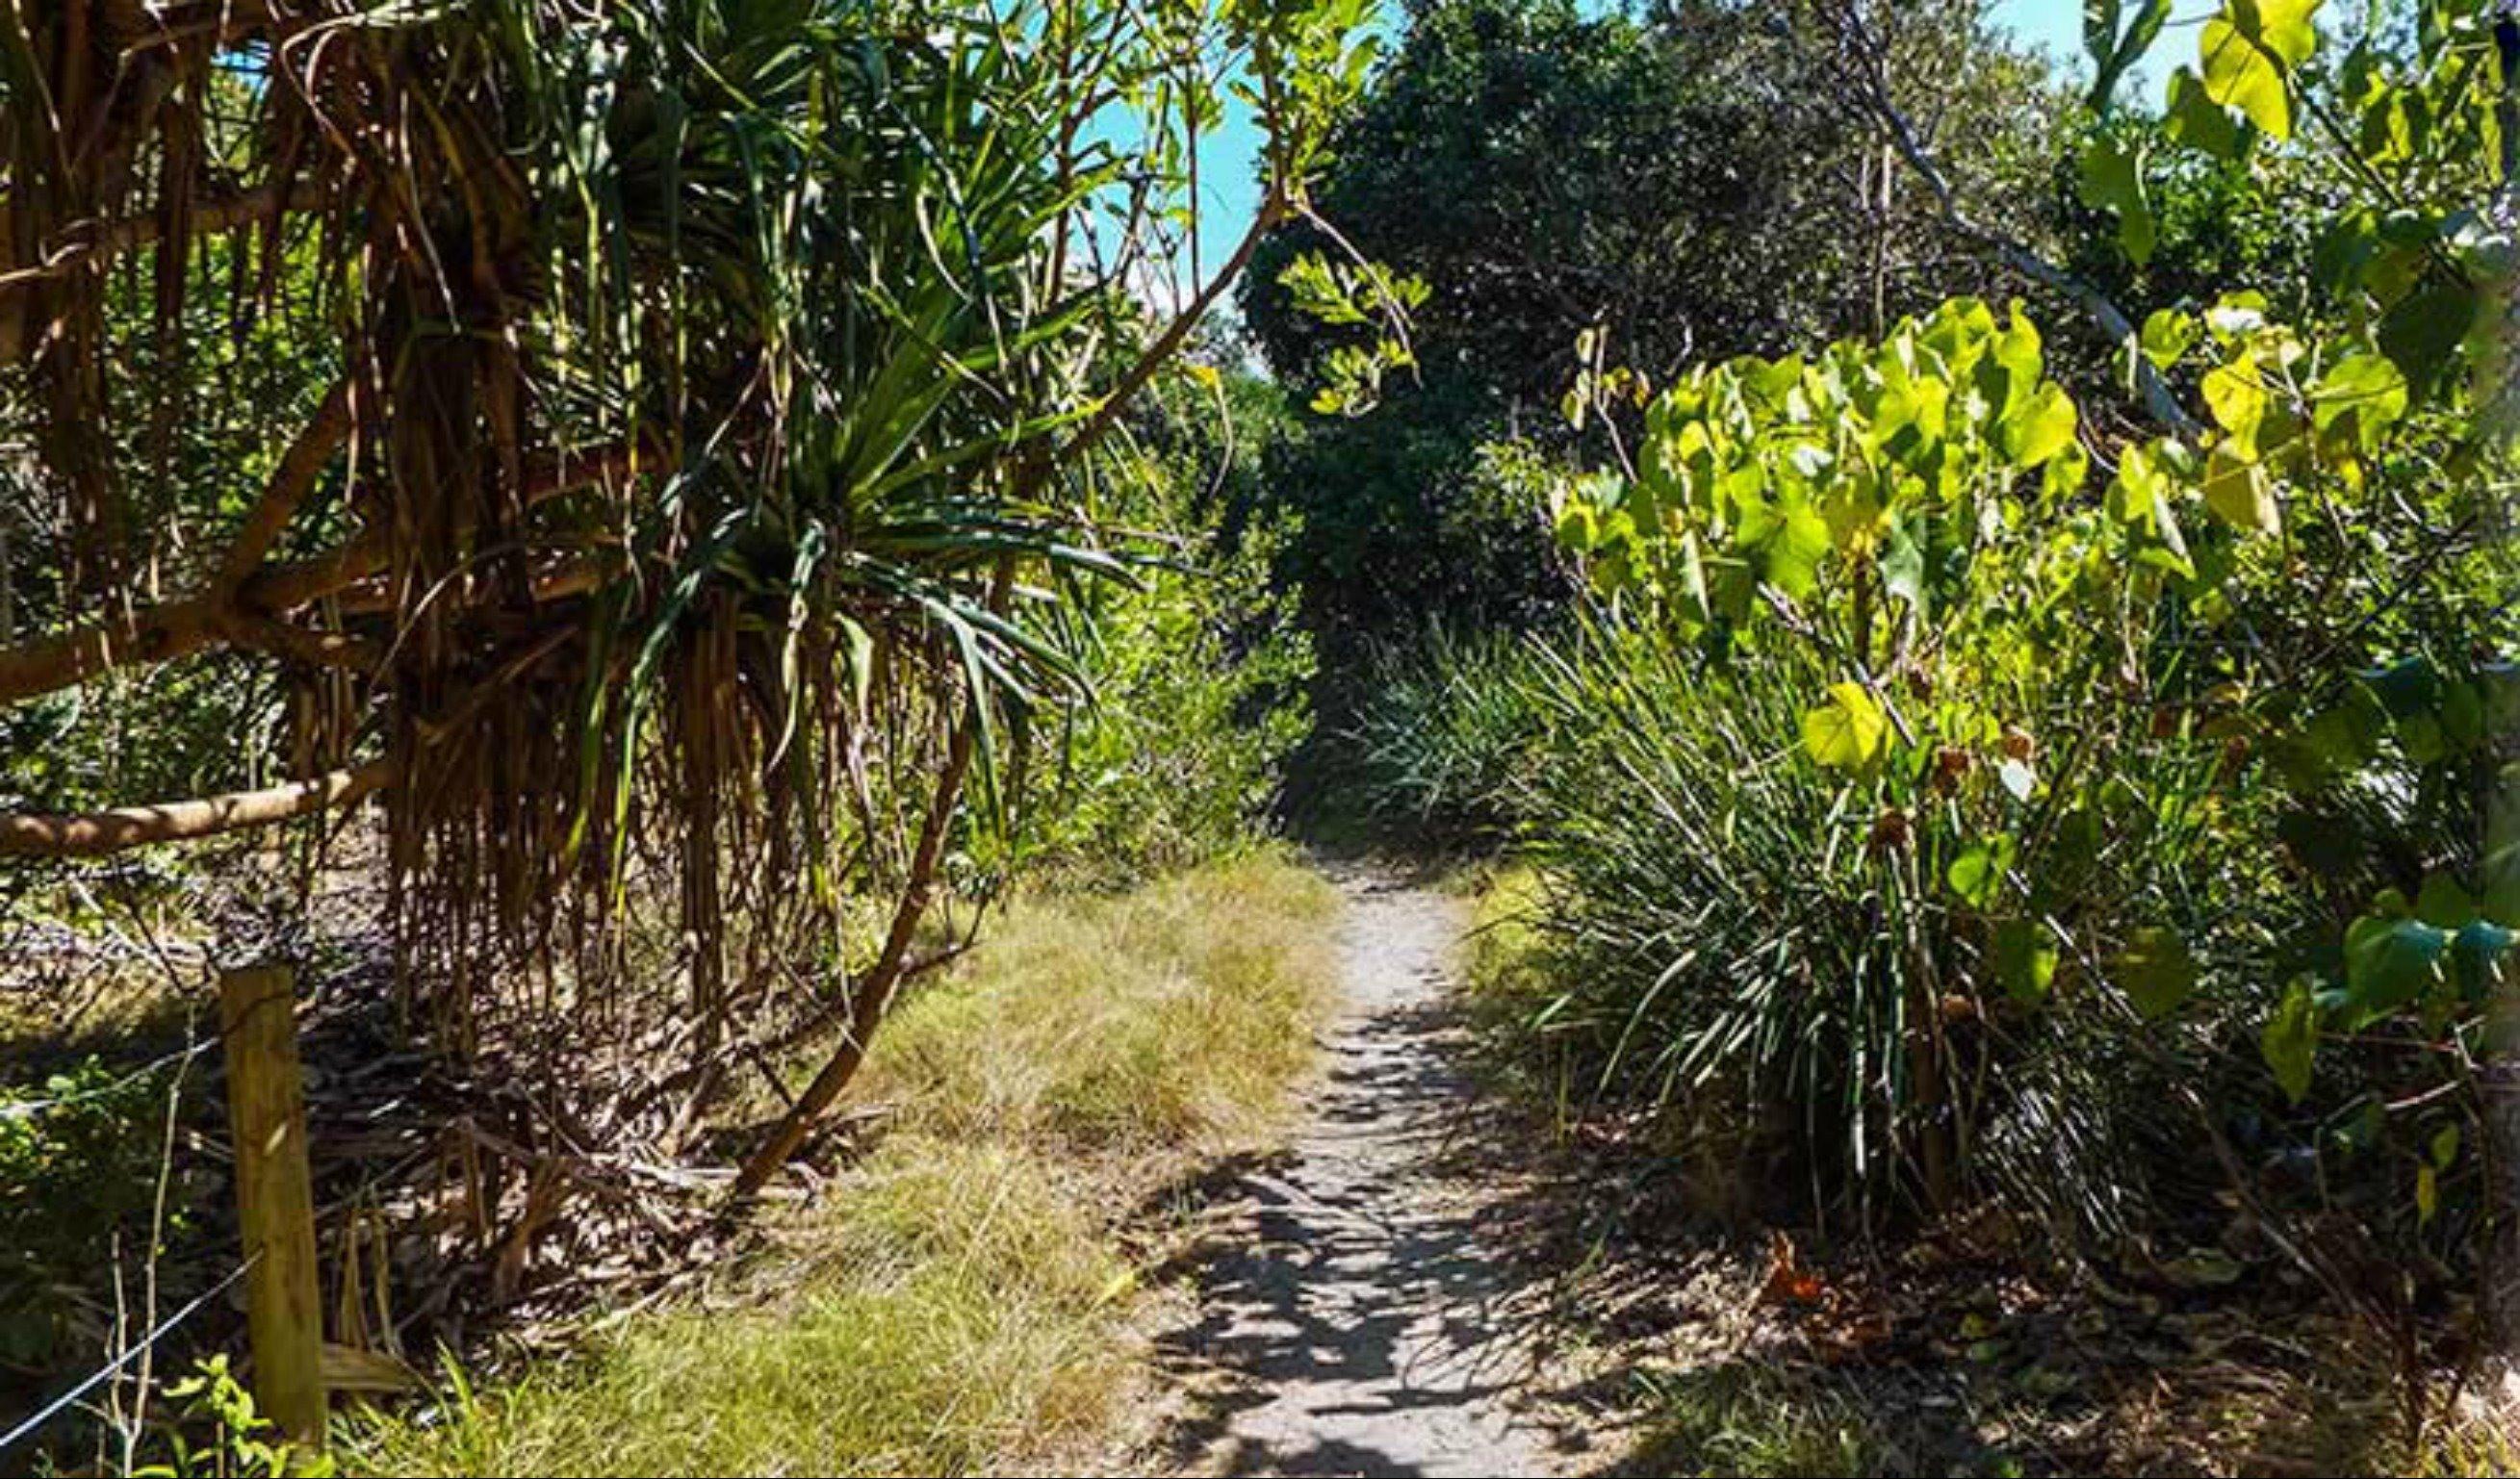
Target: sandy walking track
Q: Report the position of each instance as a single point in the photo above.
(1351, 1321)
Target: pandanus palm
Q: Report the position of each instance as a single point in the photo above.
(716, 377)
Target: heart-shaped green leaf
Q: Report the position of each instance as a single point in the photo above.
(2155, 970)
(1849, 732)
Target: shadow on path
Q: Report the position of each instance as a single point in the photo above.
(1355, 1315)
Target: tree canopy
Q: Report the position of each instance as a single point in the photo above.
(1687, 180)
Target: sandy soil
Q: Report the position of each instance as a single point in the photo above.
(1350, 1319)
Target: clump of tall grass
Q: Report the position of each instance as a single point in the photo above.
(1446, 728)
(1718, 928)
(957, 1301)
(1171, 1019)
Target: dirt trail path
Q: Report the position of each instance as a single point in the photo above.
(1350, 1321)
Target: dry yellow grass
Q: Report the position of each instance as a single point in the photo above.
(960, 1301)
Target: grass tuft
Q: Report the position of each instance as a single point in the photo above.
(1167, 1020)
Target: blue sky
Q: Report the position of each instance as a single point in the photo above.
(2056, 25)
(1230, 195)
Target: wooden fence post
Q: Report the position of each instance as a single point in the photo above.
(275, 1199)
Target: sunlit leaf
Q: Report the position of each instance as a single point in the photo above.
(1976, 875)
(2244, 74)
(2039, 428)
(2290, 1039)
(2238, 400)
(2240, 493)
(1849, 732)
(2168, 335)
(2364, 393)
(2112, 180)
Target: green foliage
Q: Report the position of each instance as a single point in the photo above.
(1341, 293)
(243, 1444)
(2347, 434)
(2245, 52)
(1397, 520)
(2113, 180)
(1550, 172)
(78, 1176)
(2116, 35)
(747, 358)
(1849, 731)
(1446, 729)
(1940, 753)
(1738, 935)
(1883, 492)
(1196, 669)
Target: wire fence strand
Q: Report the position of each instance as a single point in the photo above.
(55, 1407)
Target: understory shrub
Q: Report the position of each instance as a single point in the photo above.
(1446, 728)
(1718, 930)
(78, 1178)
(1942, 831)
(1197, 670)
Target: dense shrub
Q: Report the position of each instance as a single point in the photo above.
(1446, 728)
(1196, 671)
(79, 1177)
(1939, 829)
(1197, 695)
(1728, 938)
(1684, 178)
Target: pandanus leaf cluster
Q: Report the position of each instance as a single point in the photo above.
(720, 391)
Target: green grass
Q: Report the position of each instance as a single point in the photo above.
(1745, 1421)
(959, 1301)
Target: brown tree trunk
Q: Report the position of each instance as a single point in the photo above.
(873, 994)
(2500, 1089)
(89, 834)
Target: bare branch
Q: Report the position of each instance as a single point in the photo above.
(287, 487)
(1167, 343)
(163, 633)
(36, 835)
(1873, 87)
(88, 240)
